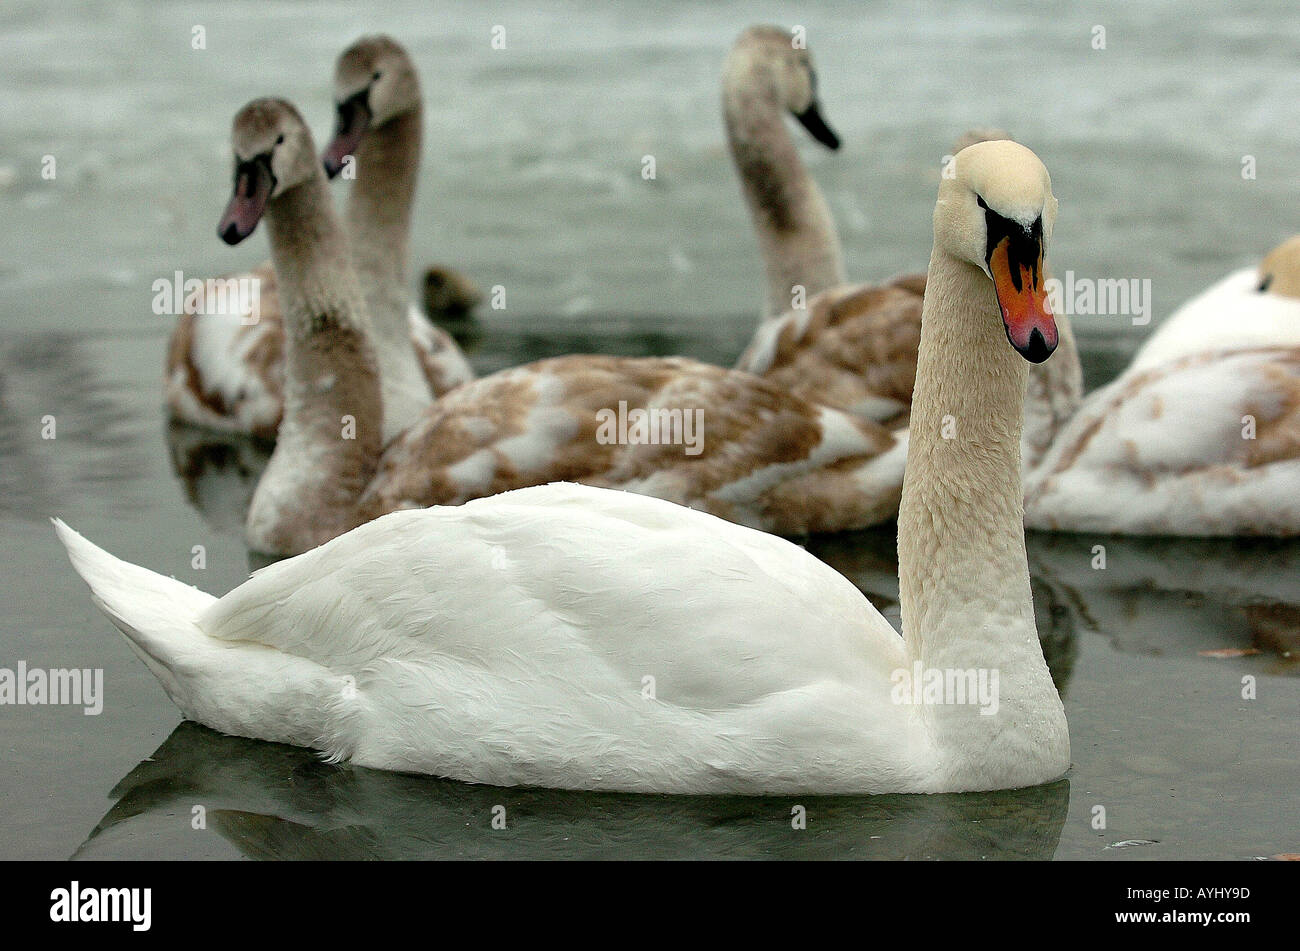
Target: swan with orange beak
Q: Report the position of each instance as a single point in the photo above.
(1005, 233)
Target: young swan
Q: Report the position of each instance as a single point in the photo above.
(507, 641)
(380, 115)
(1200, 435)
(720, 440)
(765, 77)
(223, 373)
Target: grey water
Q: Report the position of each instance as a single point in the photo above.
(1177, 660)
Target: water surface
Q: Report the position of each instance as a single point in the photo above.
(532, 181)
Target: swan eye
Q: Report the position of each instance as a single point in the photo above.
(1264, 284)
(375, 77)
(280, 139)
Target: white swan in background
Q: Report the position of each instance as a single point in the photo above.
(738, 447)
(1200, 435)
(574, 637)
(228, 375)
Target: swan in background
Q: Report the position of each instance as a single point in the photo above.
(225, 374)
(851, 346)
(1200, 435)
(1252, 307)
(764, 78)
(573, 637)
(758, 454)
(449, 296)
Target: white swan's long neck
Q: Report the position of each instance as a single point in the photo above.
(965, 592)
(1054, 394)
(796, 234)
(331, 436)
(379, 210)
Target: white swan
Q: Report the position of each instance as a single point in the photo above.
(574, 637)
(1200, 435)
(724, 441)
(223, 373)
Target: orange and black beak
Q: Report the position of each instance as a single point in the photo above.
(1015, 262)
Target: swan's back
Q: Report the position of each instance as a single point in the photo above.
(1231, 315)
(563, 635)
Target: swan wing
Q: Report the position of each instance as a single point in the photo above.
(567, 635)
(1231, 315)
(1206, 444)
(225, 363)
(853, 348)
(444, 364)
(744, 444)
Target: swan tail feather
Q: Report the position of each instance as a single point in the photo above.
(158, 615)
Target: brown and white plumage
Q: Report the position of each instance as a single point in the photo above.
(764, 458)
(854, 346)
(226, 373)
(1200, 435)
(767, 459)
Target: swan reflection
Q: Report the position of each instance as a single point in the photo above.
(279, 802)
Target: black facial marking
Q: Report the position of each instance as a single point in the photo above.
(348, 108)
(1264, 284)
(247, 170)
(1023, 248)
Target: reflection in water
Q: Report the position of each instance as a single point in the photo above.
(1180, 596)
(56, 379)
(280, 802)
(219, 472)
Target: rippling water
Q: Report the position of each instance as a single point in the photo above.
(532, 181)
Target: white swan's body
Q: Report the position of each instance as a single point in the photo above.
(1200, 435)
(1231, 315)
(582, 638)
(494, 642)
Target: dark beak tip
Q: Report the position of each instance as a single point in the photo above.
(1038, 349)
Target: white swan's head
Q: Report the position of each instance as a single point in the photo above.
(273, 152)
(996, 211)
(374, 82)
(773, 64)
(1280, 271)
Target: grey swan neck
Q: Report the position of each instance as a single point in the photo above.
(331, 436)
(796, 234)
(379, 214)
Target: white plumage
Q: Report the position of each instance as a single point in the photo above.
(509, 641)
